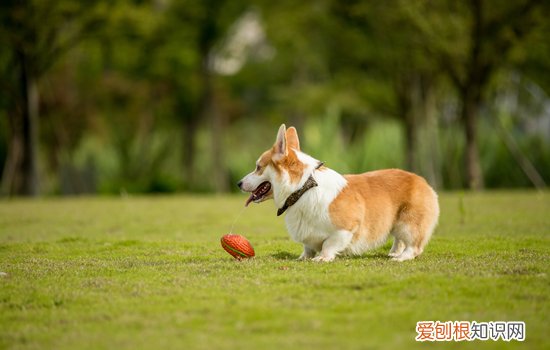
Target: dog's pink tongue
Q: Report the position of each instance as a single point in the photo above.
(250, 199)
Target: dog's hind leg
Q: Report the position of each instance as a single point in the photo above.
(415, 227)
(308, 253)
(408, 254)
(404, 238)
(334, 245)
(397, 248)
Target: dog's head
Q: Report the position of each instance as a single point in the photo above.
(280, 170)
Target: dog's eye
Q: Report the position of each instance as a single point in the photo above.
(258, 167)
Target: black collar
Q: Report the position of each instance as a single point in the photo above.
(295, 196)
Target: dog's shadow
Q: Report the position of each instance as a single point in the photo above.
(285, 256)
(374, 255)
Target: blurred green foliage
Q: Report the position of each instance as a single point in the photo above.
(166, 95)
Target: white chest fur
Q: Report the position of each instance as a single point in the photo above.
(308, 220)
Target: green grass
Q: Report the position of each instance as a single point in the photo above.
(149, 273)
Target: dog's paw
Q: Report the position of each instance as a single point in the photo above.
(402, 258)
(306, 254)
(408, 254)
(322, 258)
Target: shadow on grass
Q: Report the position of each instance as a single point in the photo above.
(372, 255)
(285, 256)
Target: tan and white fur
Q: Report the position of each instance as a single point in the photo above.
(344, 214)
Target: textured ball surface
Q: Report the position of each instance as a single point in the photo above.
(237, 246)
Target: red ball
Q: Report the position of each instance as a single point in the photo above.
(237, 246)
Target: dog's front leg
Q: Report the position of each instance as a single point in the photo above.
(308, 253)
(334, 245)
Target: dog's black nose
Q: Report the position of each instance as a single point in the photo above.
(240, 184)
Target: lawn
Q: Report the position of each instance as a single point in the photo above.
(149, 273)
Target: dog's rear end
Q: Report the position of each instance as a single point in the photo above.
(383, 202)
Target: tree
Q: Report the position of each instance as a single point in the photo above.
(183, 49)
(37, 34)
(471, 41)
(388, 52)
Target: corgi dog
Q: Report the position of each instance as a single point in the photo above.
(332, 214)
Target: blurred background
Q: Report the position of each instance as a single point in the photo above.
(157, 96)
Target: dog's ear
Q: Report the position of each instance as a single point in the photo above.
(292, 140)
(279, 148)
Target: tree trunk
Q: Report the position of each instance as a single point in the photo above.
(470, 108)
(21, 171)
(406, 94)
(471, 93)
(29, 90)
(210, 109)
(11, 181)
(30, 134)
(411, 141)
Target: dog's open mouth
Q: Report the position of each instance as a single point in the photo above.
(260, 193)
